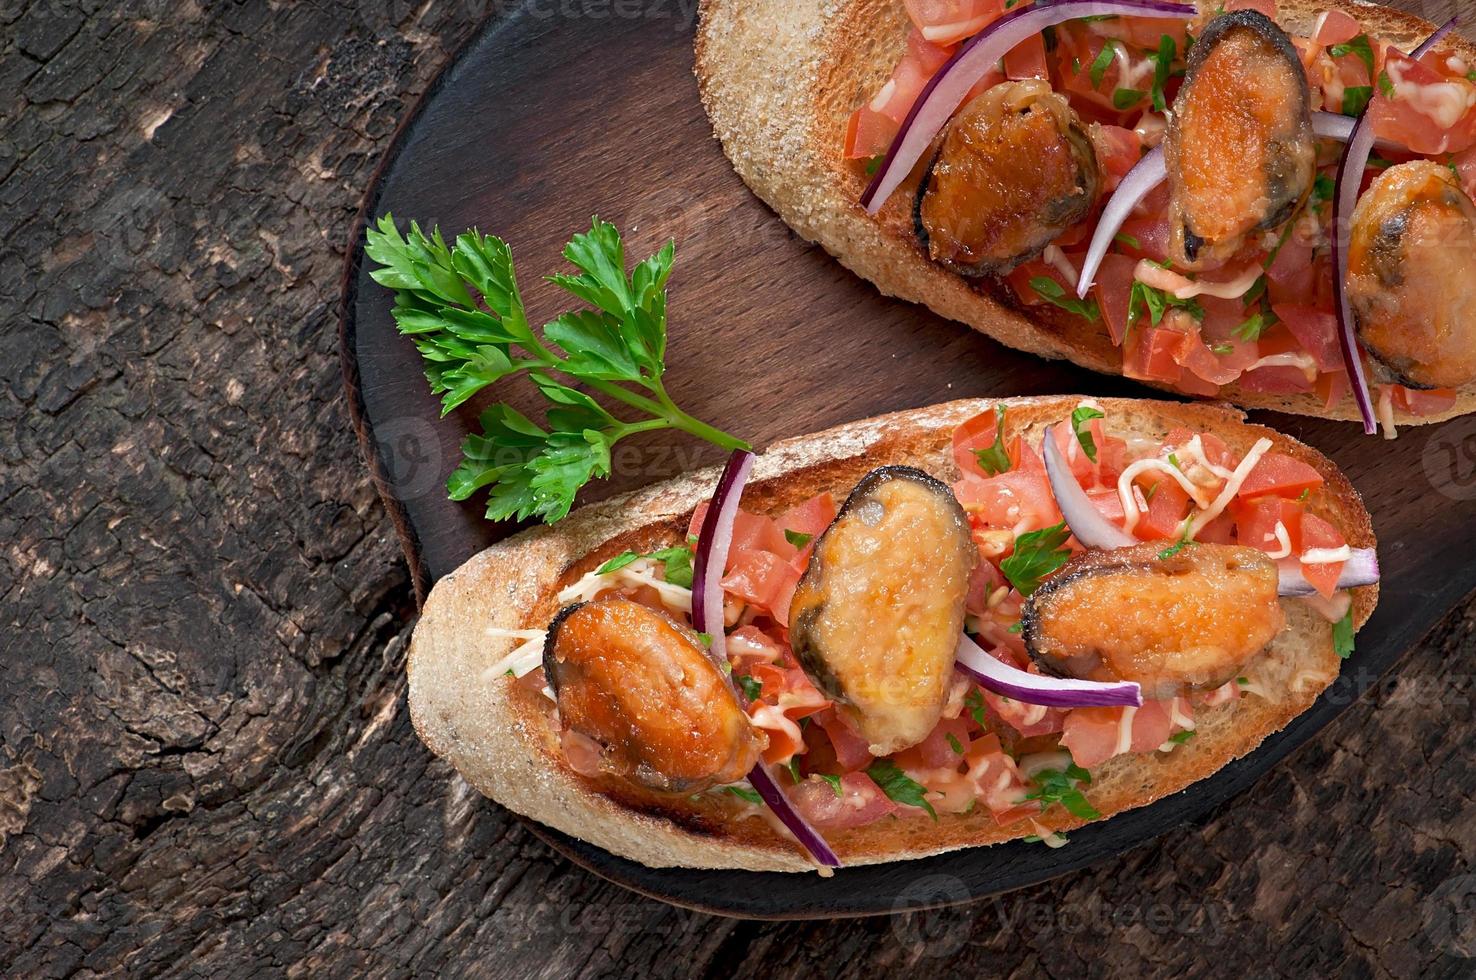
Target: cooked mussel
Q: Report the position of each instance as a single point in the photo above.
(876, 617)
(1172, 622)
(1412, 275)
(643, 688)
(1240, 150)
(1014, 169)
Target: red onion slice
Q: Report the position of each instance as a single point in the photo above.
(1361, 568)
(1000, 678)
(1085, 521)
(707, 617)
(1147, 174)
(1350, 179)
(946, 90)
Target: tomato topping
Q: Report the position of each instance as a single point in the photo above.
(850, 749)
(873, 126)
(1093, 735)
(1426, 112)
(1316, 332)
(1256, 521)
(1267, 7)
(762, 579)
(1281, 475)
(947, 21)
(1417, 402)
(1318, 533)
(1336, 27)
(1027, 59)
(860, 802)
(1168, 505)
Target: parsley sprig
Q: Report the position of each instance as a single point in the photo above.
(1055, 786)
(994, 459)
(900, 787)
(1037, 554)
(461, 306)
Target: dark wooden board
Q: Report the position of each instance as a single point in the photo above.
(545, 121)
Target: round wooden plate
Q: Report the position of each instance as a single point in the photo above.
(556, 113)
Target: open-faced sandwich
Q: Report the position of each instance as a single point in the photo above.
(946, 627)
(1266, 202)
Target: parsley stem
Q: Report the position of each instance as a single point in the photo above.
(694, 426)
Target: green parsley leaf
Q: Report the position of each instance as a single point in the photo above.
(955, 744)
(792, 767)
(510, 673)
(1386, 86)
(1179, 738)
(1162, 64)
(706, 640)
(1323, 188)
(797, 538)
(461, 307)
(994, 460)
(1222, 349)
(1126, 98)
(1130, 241)
(677, 562)
(974, 701)
(1054, 786)
(1343, 635)
(874, 164)
(1016, 627)
(1052, 292)
(1356, 99)
(1306, 492)
(744, 793)
(1037, 555)
(1174, 462)
(753, 688)
(1101, 64)
(616, 563)
(1155, 302)
(1178, 545)
(1080, 417)
(1253, 326)
(900, 787)
(834, 781)
(1359, 46)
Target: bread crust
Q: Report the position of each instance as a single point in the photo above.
(502, 735)
(780, 78)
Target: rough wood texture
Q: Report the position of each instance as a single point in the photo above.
(205, 760)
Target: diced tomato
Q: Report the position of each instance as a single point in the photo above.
(1093, 735)
(947, 21)
(1280, 475)
(1118, 150)
(584, 755)
(1417, 402)
(850, 749)
(979, 432)
(1318, 533)
(1019, 280)
(1427, 112)
(1316, 332)
(1221, 530)
(749, 645)
(936, 751)
(1336, 27)
(1113, 289)
(763, 579)
(1144, 32)
(982, 583)
(1291, 277)
(811, 517)
(1267, 7)
(873, 126)
(1089, 473)
(928, 55)
(1168, 505)
(1108, 504)
(1018, 498)
(1027, 59)
(860, 802)
(1332, 388)
(994, 773)
(869, 134)
(1213, 446)
(1256, 521)
(1155, 353)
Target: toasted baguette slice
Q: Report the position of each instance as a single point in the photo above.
(780, 79)
(502, 734)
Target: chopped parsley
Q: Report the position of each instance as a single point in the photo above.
(1253, 326)
(617, 563)
(1126, 98)
(1162, 64)
(1037, 555)
(1179, 738)
(1100, 66)
(792, 767)
(900, 787)
(797, 538)
(1386, 87)
(1130, 241)
(1054, 786)
(1055, 294)
(994, 460)
(1016, 627)
(974, 701)
(677, 562)
(1359, 46)
(1356, 99)
(1323, 188)
(744, 793)
(1080, 419)
(753, 688)
(1178, 545)
(1222, 349)
(874, 164)
(1155, 302)
(706, 640)
(1343, 635)
(955, 744)
(834, 782)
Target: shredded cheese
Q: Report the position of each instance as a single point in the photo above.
(1178, 718)
(1061, 263)
(1283, 542)
(1130, 75)
(1152, 274)
(1130, 509)
(1326, 556)
(1443, 103)
(1048, 837)
(1386, 412)
(524, 658)
(1125, 731)
(1232, 487)
(1333, 609)
(642, 571)
(1299, 359)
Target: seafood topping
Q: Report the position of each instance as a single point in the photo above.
(1240, 150)
(1013, 170)
(1412, 275)
(1185, 622)
(642, 686)
(876, 617)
